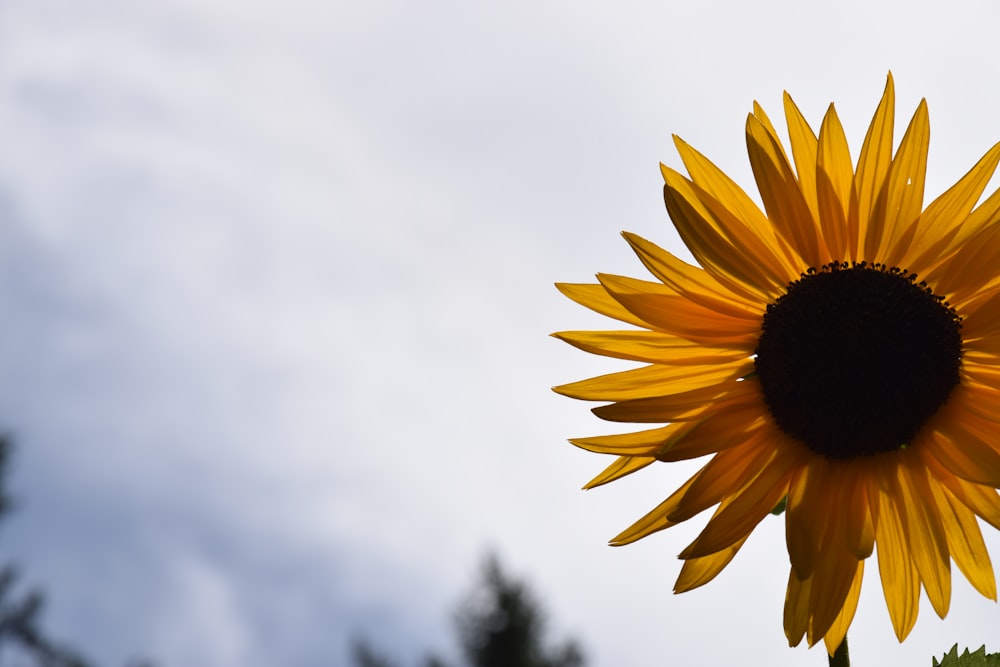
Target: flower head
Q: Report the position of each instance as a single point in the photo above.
(839, 350)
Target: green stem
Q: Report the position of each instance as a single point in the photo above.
(840, 658)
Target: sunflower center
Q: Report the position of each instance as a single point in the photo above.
(853, 359)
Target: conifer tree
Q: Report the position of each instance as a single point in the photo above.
(499, 624)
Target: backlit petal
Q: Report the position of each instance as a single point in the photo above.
(872, 172)
(699, 571)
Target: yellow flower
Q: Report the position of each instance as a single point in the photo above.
(840, 351)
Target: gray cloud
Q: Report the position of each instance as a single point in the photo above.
(276, 284)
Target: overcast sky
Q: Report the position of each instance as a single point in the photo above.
(276, 284)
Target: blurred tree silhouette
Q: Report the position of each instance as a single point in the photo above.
(500, 624)
(22, 642)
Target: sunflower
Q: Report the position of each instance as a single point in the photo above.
(838, 352)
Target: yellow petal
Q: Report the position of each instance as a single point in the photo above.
(746, 509)
(838, 630)
(699, 571)
(904, 196)
(810, 530)
(967, 272)
(779, 189)
(642, 443)
(984, 215)
(982, 323)
(596, 298)
(652, 381)
(796, 615)
(981, 400)
(725, 474)
(733, 423)
(807, 493)
(872, 171)
(656, 519)
(804, 150)
(965, 541)
(900, 580)
(652, 347)
(832, 580)
(835, 187)
(745, 224)
(623, 465)
(985, 375)
(947, 222)
(835, 562)
(983, 500)
(765, 122)
(959, 446)
(966, 458)
(700, 231)
(925, 536)
(685, 406)
(692, 282)
(676, 315)
(860, 528)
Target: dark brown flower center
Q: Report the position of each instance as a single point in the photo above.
(853, 359)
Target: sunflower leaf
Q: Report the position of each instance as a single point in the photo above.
(978, 659)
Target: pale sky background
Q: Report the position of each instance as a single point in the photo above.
(276, 284)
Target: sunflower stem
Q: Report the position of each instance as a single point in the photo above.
(840, 657)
